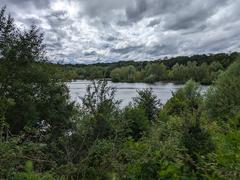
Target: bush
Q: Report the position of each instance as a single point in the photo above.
(186, 100)
(223, 99)
(29, 174)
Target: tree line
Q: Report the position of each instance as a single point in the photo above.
(201, 68)
(44, 135)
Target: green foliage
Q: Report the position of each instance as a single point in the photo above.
(203, 73)
(201, 68)
(116, 75)
(223, 98)
(226, 157)
(123, 74)
(137, 121)
(187, 104)
(186, 99)
(99, 98)
(157, 155)
(14, 152)
(155, 72)
(147, 101)
(38, 93)
(34, 101)
(223, 162)
(102, 108)
(29, 174)
(196, 140)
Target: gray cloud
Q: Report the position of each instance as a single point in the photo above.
(127, 49)
(24, 3)
(90, 53)
(87, 31)
(154, 22)
(135, 12)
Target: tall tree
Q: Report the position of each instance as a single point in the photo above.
(40, 98)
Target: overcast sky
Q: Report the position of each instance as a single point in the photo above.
(89, 31)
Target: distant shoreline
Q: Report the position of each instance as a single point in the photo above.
(163, 81)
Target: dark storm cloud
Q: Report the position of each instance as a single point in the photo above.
(90, 31)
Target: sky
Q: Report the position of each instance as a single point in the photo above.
(91, 31)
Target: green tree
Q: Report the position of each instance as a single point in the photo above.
(178, 73)
(39, 96)
(116, 75)
(223, 98)
(155, 72)
(147, 101)
(186, 99)
(101, 106)
(137, 121)
(123, 74)
(187, 104)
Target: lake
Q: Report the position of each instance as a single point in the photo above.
(126, 91)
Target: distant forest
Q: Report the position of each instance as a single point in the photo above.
(200, 68)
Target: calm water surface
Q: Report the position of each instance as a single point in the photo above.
(126, 91)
